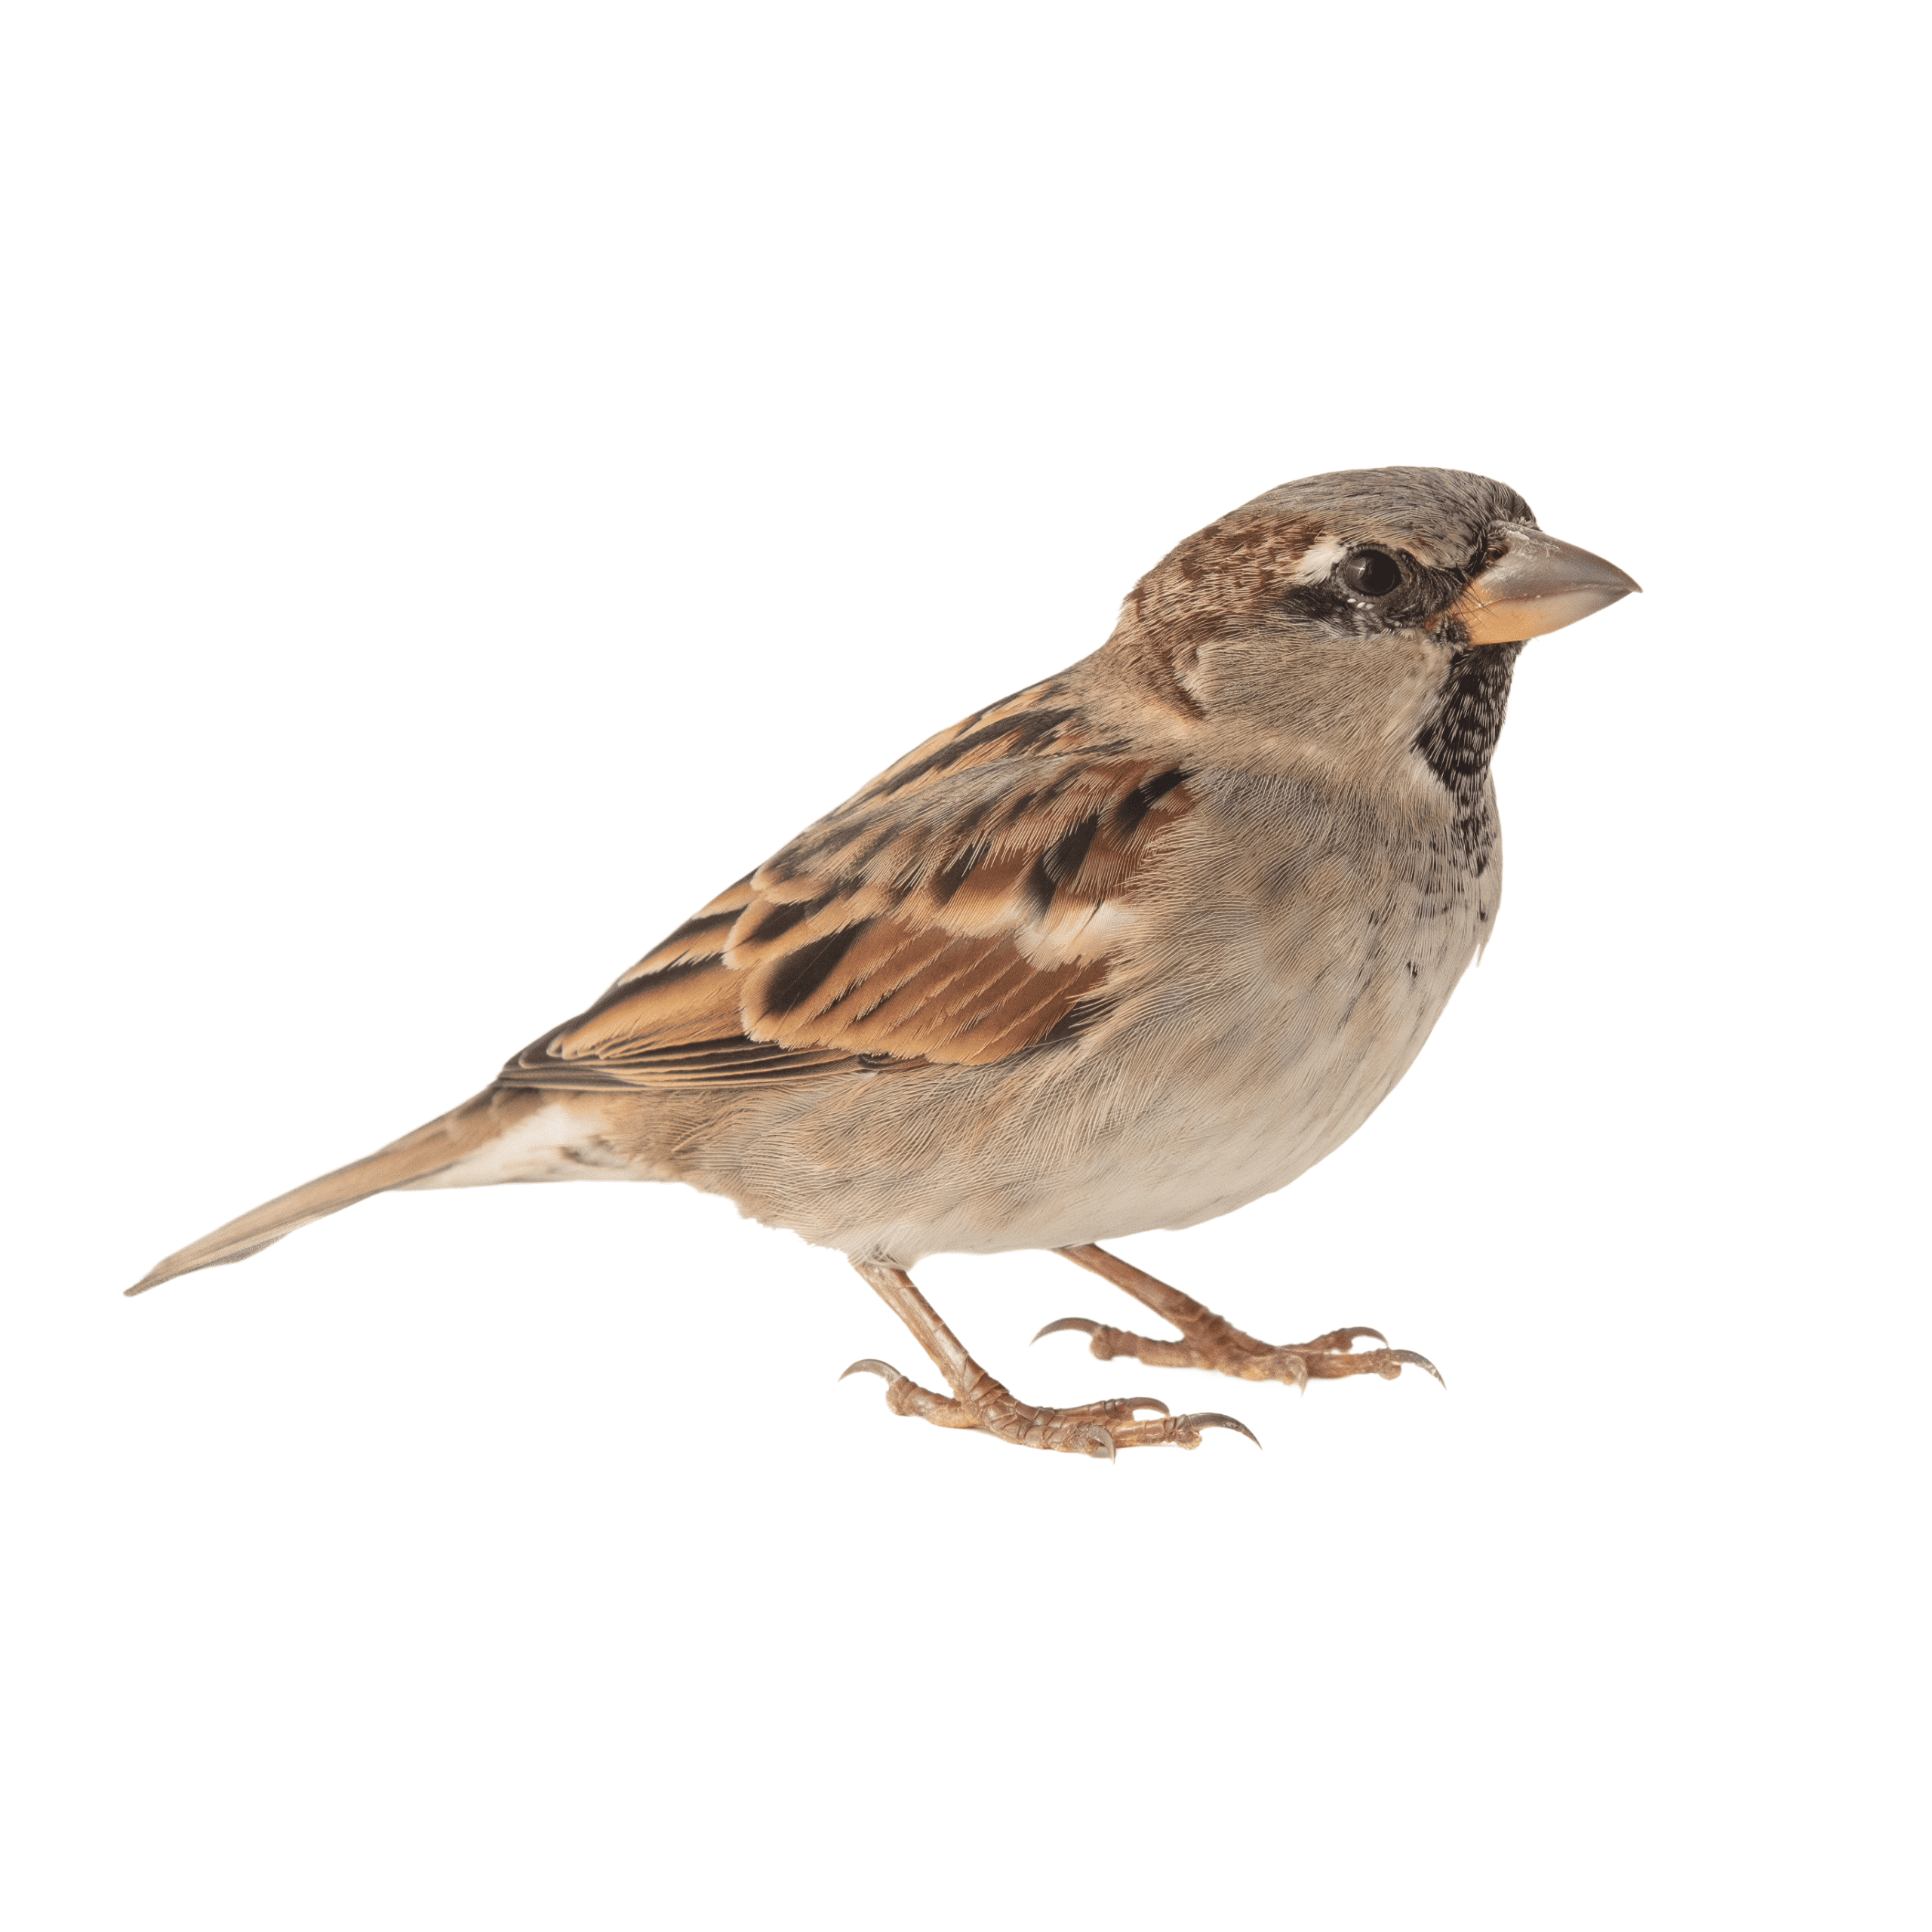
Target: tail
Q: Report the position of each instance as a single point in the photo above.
(417, 1160)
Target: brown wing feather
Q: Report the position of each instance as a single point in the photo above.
(946, 914)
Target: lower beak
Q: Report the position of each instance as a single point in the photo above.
(1536, 586)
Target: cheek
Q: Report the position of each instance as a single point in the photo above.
(1409, 672)
(1362, 694)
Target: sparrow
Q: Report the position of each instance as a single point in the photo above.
(1127, 949)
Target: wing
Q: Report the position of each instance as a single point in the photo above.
(955, 911)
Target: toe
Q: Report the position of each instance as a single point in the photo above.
(1183, 1431)
(1288, 1365)
(1342, 1338)
(1118, 1407)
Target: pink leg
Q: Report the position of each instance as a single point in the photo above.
(977, 1401)
(1209, 1341)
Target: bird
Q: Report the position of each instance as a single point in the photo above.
(1127, 949)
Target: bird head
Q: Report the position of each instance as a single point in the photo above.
(1337, 617)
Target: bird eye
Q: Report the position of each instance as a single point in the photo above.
(1372, 573)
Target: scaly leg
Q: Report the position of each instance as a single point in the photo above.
(1094, 1428)
(1208, 1341)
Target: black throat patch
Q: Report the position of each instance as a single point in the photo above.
(1460, 739)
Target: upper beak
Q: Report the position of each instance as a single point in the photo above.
(1536, 585)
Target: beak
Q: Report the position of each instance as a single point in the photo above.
(1537, 585)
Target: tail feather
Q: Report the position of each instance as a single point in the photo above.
(416, 1159)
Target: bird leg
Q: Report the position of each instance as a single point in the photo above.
(1209, 1341)
(977, 1401)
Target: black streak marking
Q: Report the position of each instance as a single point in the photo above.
(1068, 853)
(545, 1050)
(1141, 800)
(1015, 735)
(1458, 742)
(1038, 889)
(776, 920)
(658, 975)
(1075, 1020)
(807, 970)
(951, 876)
(1057, 864)
(714, 922)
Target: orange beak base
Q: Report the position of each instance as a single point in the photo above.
(1537, 585)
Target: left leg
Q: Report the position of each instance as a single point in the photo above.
(1208, 1341)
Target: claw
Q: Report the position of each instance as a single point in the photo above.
(1209, 1419)
(1415, 1361)
(872, 1365)
(1100, 1443)
(1067, 1321)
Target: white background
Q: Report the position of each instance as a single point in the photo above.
(479, 478)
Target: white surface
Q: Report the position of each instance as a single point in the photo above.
(477, 479)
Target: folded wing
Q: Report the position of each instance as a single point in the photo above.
(963, 907)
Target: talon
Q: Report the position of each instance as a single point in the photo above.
(1210, 1419)
(1067, 1321)
(1415, 1361)
(1100, 1443)
(872, 1365)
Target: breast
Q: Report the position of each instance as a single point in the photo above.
(1272, 1007)
(1269, 1067)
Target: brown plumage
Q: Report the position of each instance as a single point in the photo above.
(1126, 950)
(946, 915)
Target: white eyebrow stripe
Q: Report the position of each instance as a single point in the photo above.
(1317, 562)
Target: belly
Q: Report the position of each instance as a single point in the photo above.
(1205, 1099)
(1220, 1121)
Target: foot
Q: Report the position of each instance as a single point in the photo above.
(1093, 1428)
(1209, 1341)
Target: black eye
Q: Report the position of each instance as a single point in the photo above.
(1372, 573)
